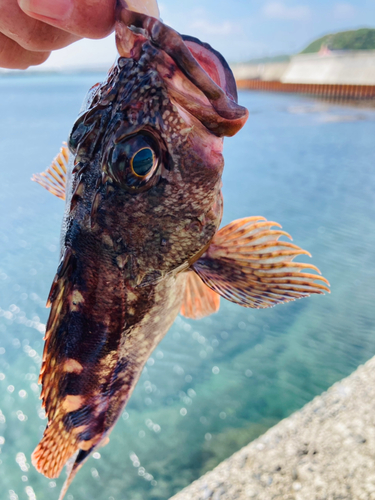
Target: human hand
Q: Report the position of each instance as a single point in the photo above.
(31, 29)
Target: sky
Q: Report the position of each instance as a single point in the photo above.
(239, 29)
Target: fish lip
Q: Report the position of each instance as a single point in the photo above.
(229, 114)
(231, 89)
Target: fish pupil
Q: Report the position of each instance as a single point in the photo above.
(143, 161)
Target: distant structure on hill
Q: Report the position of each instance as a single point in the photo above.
(362, 39)
(341, 64)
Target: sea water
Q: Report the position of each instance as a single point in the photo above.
(211, 386)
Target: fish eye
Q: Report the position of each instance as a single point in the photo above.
(142, 162)
(134, 162)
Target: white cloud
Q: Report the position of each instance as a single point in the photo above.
(279, 10)
(208, 28)
(344, 11)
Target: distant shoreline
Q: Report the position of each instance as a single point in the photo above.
(364, 93)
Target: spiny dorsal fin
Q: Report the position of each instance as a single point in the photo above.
(54, 177)
(247, 264)
(199, 300)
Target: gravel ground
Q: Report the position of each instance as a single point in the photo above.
(326, 451)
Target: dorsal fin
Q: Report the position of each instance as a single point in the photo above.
(199, 300)
(54, 177)
(247, 264)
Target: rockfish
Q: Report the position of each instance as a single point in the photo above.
(141, 176)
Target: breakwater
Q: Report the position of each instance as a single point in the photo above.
(324, 451)
(330, 91)
(337, 75)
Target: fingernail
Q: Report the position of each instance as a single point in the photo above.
(54, 9)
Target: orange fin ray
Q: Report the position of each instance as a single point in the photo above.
(248, 265)
(54, 177)
(199, 299)
(230, 230)
(56, 447)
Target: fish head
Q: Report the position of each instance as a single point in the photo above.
(152, 135)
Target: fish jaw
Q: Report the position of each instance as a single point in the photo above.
(205, 71)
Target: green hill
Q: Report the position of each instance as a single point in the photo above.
(362, 39)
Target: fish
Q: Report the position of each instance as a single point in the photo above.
(141, 176)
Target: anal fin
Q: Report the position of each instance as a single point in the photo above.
(54, 177)
(199, 299)
(247, 264)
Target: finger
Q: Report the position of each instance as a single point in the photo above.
(13, 56)
(84, 18)
(30, 33)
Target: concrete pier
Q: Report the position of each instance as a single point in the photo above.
(326, 451)
(330, 91)
(350, 67)
(345, 74)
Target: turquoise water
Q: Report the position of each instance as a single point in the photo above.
(211, 386)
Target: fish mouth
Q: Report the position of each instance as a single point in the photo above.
(197, 62)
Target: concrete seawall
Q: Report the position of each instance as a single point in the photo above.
(334, 92)
(266, 72)
(336, 68)
(326, 451)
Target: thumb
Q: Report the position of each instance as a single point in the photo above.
(84, 18)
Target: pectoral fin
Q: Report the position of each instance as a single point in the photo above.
(199, 300)
(54, 177)
(247, 264)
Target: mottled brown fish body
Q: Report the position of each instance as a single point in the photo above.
(141, 238)
(105, 332)
(117, 290)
